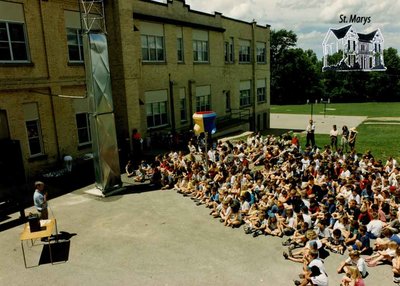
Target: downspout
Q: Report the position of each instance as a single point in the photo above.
(171, 99)
(254, 81)
(48, 77)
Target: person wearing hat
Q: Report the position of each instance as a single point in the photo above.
(40, 200)
(352, 138)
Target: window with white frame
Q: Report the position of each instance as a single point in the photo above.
(200, 46)
(156, 108)
(203, 98)
(74, 36)
(261, 52)
(152, 41)
(13, 38)
(75, 45)
(179, 45)
(183, 104)
(228, 51)
(33, 129)
(261, 90)
(245, 93)
(244, 51)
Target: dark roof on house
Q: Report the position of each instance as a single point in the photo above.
(366, 37)
(340, 33)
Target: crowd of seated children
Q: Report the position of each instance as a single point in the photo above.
(274, 187)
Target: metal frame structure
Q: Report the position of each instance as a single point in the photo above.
(101, 109)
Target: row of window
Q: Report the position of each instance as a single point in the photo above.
(157, 102)
(156, 112)
(153, 49)
(34, 130)
(14, 46)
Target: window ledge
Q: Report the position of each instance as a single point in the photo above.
(159, 127)
(153, 63)
(244, 63)
(74, 64)
(40, 157)
(201, 63)
(84, 146)
(245, 106)
(17, 64)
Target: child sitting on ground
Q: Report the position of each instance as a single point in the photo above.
(382, 255)
(355, 260)
(335, 243)
(353, 277)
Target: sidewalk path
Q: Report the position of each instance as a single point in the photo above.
(323, 125)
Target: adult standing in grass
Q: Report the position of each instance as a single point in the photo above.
(333, 135)
(345, 138)
(352, 138)
(310, 134)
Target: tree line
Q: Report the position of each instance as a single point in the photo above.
(296, 76)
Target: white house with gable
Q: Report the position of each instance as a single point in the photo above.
(358, 51)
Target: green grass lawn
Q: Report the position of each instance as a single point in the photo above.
(370, 109)
(382, 139)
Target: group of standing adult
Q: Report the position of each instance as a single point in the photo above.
(347, 139)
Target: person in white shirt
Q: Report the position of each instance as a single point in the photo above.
(310, 134)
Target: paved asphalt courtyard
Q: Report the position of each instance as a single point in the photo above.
(152, 237)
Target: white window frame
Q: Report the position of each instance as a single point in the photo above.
(245, 93)
(10, 43)
(229, 51)
(152, 42)
(203, 98)
(200, 46)
(261, 49)
(261, 90)
(74, 40)
(33, 129)
(14, 47)
(179, 50)
(156, 108)
(244, 51)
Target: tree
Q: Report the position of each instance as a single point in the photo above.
(295, 73)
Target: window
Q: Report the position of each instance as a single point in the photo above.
(13, 45)
(261, 91)
(33, 129)
(179, 45)
(152, 48)
(245, 94)
(228, 52)
(152, 40)
(244, 51)
(75, 45)
(83, 127)
(203, 98)
(179, 49)
(13, 37)
(183, 103)
(200, 46)
(261, 52)
(156, 108)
